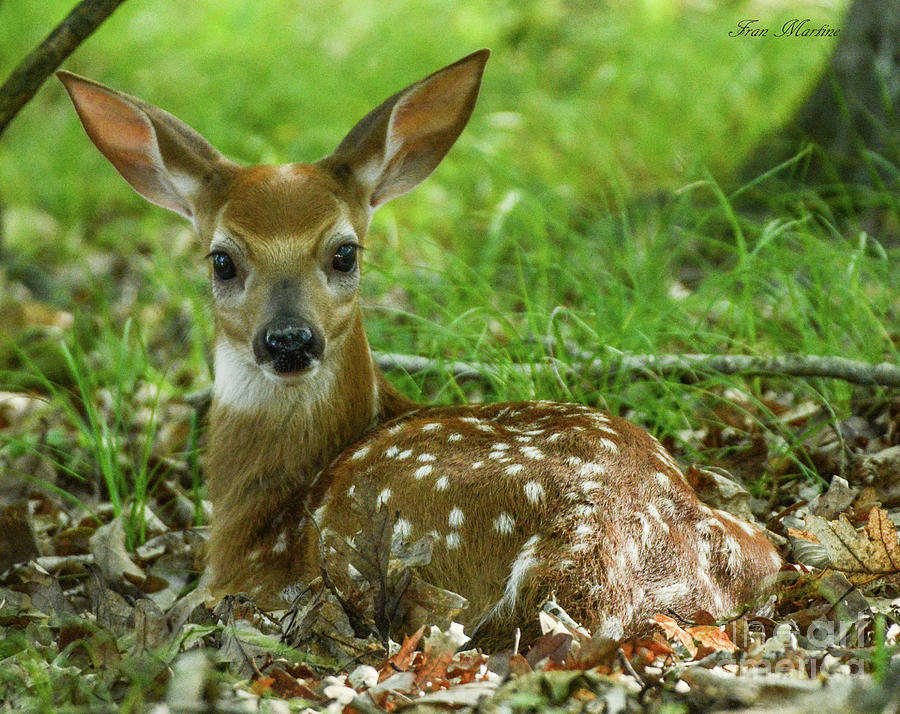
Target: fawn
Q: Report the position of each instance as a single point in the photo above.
(522, 500)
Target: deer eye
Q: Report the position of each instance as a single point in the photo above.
(345, 258)
(223, 266)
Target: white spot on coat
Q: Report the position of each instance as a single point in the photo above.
(504, 524)
(611, 628)
(734, 554)
(383, 497)
(654, 513)
(357, 455)
(456, 517)
(670, 594)
(523, 563)
(742, 524)
(514, 469)
(645, 529)
(402, 528)
(452, 540)
(532, 452)
(425, 457)
(534, 492)
(423, 471)
(609, 445)
(592, 468)
(434, 426)
(442, 484)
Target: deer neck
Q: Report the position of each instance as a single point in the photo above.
(269, 440)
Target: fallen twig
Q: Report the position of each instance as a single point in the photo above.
(884, 374)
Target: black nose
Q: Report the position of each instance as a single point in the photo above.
(290, 344)
(288, 338)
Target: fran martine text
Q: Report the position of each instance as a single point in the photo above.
(791, 28)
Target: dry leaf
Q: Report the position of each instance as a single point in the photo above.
(108, 548)
(710, 639)
(807, 549)
(835, 500)
(401, 661)
(675, 633)
(17, 541)
(438, 652)
(862, 555)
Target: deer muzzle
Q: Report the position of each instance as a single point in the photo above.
(288, 344)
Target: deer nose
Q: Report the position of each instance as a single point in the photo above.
(288, 338)
(289, 344)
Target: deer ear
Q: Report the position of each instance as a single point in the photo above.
(163, 159)
(398, 144)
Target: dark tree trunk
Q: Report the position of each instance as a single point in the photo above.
(852, 116)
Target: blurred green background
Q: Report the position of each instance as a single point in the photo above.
(585, 99)
(590, 199)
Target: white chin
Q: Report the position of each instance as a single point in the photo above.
(291, 378)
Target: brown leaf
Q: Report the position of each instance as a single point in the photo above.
(71, 633)
(554, 647)
(881, 531)
(108, 548)
(286, 686)
(518, 665)
(261, 685)
(426, 604)
(401, 661)
(675, 633)
(438, 653)
(873, 551)
(151, 626)
(710, 639)
(835, 500)
(702, 617)
(17, 541)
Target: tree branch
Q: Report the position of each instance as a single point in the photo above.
(32, 71)
(848, 370)
(854, 371)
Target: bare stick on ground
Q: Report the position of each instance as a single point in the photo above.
(883, 374)
(848, 370)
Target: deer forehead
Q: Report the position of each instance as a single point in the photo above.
(297, 204)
